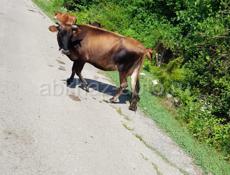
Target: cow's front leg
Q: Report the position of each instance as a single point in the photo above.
(123, 86)
(71, 78)
(78, 68)
(84, 82)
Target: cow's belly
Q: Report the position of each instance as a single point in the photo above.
(105, 67)
(103, 62)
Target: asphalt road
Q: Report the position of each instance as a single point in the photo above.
(49, 129)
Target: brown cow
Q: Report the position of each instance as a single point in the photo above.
(105, 50)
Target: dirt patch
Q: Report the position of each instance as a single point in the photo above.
(61, 62)
(31, 10)
(62, 68)
(74, 97)
(17, 136)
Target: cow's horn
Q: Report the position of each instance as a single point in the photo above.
(74, 27)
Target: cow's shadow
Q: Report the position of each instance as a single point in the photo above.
(104, 88)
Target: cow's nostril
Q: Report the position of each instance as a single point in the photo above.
(66, 52)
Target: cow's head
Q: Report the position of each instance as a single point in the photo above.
(65, 34)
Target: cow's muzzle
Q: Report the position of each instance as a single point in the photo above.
(66, 52)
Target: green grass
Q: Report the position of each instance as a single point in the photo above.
(204, 156)
(49, 8)
(46, 7)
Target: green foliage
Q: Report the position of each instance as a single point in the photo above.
(170, 75)
(204, 126)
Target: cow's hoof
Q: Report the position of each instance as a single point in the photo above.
(84, 87)
(69, 81)
(112, 100)
(133, 107)
(87, 89)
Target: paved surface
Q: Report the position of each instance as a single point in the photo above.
(49, 129)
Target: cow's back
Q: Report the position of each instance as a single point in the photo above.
(97, 46)
(106, 49)
(95, 39)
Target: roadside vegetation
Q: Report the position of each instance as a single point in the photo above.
(196, 75)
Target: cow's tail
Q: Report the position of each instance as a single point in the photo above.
(149, 53)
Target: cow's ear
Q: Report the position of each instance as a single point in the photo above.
(53, 28)
(56, 14)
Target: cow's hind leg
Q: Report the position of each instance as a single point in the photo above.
(123, 86)
(76, 69)
(135, 85)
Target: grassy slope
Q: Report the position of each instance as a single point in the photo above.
(204, 156)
